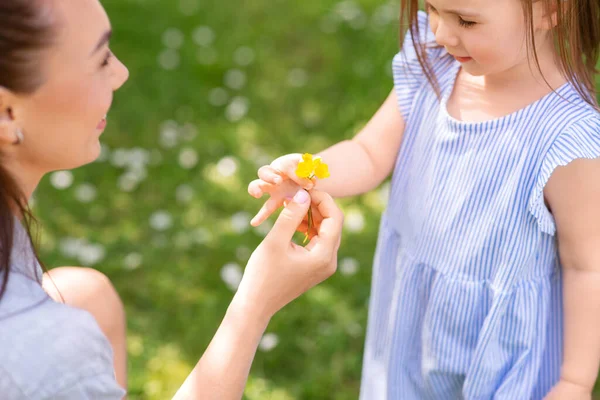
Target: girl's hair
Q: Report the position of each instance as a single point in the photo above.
(26, 29)
(576, 37)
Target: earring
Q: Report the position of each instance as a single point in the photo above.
(20, 136)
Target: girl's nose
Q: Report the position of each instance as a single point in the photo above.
(444, 35)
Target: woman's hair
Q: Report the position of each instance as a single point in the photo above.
(26, 29)
(576, 40)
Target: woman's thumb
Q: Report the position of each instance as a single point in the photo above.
(290, 218)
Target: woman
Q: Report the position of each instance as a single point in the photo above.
(57, 78)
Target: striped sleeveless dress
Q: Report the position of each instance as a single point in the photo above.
(466, 296)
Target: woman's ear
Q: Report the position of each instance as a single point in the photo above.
(10, 132)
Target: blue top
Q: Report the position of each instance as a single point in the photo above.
(466, 291)
(49, 350)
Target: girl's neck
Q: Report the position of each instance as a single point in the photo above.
(483, 98)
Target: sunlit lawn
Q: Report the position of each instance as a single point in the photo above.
(216, 90)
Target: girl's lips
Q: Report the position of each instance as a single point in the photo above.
(462, 59)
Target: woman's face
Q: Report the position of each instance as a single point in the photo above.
(63, 119)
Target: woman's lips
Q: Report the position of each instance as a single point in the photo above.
(102, 124)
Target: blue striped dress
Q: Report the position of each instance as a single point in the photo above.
(466, 292)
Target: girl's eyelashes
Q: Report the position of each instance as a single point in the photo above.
(461, 21)
(465, 24)
(106, 59)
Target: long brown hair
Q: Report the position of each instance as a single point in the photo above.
(26, 29)
(576, 37)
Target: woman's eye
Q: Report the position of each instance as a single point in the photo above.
(465, 24)
(107, 58)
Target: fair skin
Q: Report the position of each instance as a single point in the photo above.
(62, 122)
(93, 292)
(496, 79)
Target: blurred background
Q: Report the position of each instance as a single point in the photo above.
(217, 90)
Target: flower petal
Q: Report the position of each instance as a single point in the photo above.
(304, 169)
(322, 171)
(307, 157)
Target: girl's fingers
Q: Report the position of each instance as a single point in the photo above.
(266, 210)
(269, 175)
(257, 188)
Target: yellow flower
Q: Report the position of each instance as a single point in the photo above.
(312, 166)
(309, 167)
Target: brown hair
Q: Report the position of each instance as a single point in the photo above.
(576, 37)
(26, 29)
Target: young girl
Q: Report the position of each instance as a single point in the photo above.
(57, 78)
(486, 280)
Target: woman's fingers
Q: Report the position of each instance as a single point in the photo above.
(330, 227)
(266, 210)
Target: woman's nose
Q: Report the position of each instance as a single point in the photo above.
(121, 74)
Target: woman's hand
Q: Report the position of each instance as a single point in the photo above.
(280, 181)
(279, 270)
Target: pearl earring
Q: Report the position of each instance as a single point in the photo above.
(20, 136)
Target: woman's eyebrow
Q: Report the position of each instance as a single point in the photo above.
(103, 40)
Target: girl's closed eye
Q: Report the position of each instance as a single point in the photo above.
(465, 24)
(106, 59)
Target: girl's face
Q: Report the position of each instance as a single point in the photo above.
(488, 37)
(64, 118)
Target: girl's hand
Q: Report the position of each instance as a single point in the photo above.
(279, 180)
(279, 270)
(565, 390)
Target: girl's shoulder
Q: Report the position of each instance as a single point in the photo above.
(436, 55)
(408, 70)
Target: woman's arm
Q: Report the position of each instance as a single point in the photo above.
(278, 272)
(223, 370)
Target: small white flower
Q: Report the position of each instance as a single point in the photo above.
(85, 193)
(268, 342)
(235, 79)
(91, 254)
(243, 56)
(232, 275)
(161, 220)
(203, 36)
(184, 193)
(240, 222)
(227, 166)
(169, 59)
(355, 221)
(188, 158)
(172, 38)
(132, 261)
(61, 179)
(348, 266)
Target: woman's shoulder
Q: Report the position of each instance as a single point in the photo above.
(45, 346)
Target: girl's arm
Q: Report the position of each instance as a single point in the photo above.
(356, 166)
(573, 195)
(361, 164)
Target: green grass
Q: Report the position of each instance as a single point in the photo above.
(314, 73)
